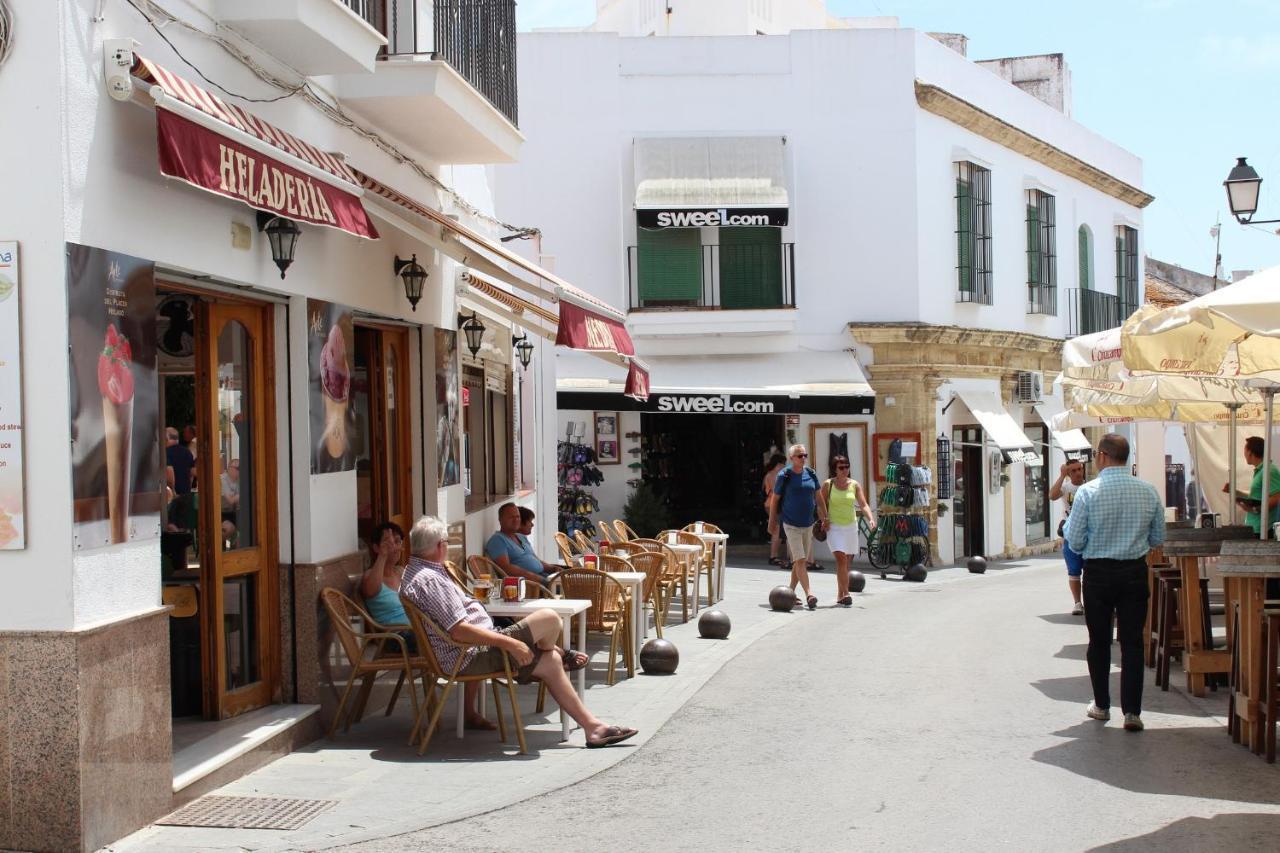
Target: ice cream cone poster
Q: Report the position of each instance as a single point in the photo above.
(448, 408)
(330, 349)
(115, 433)
(12, 528)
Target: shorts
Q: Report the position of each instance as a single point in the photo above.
(489, 659)
(843, 538)
(799, 541)
(1075, 562)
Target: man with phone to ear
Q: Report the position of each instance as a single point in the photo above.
(1070, 478)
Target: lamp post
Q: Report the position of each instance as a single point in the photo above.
(414, 277)
(472, 330)
(524, 349)
(1243, 188)
(282, 234)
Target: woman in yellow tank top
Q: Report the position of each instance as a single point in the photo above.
(844, 500)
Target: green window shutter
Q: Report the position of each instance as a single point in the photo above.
(1033, 245)
(964, 235)
(1086, 262)
(750, 267)
(670, 266)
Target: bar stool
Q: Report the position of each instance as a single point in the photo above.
(1168, 625)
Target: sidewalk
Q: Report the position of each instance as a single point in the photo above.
(372, 773)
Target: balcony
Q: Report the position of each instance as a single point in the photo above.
(711, 278)
(312, 36)
(446, 80)
(1090, 311)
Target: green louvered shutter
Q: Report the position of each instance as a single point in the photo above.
(750, 267)
(670, 266)
(1086, 262)
(1033, 247)
(964, 234)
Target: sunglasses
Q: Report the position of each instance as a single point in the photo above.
(842, 467)
(800, 456)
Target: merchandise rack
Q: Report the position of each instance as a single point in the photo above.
(903, 507)
(576, 471)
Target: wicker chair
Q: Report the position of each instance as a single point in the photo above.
(625, 533)
(423, 629)
(608, 613)
(707, 527)
(356, 645)
(674, 578)
(455, 574)
(568, 548)
(585, 543)
(607, 533)
(699, 565)
(653, 564)
(478, 565)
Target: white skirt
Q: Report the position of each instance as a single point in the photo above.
(843, 538)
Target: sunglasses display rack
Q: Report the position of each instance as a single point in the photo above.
(576, 472)
(903, 515)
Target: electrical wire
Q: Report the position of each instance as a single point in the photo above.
(158, 17)
(6, 31)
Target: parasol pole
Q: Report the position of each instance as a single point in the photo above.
(1231, 458)
(1264, 517)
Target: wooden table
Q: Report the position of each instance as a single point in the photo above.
(1250, 563)
(566, 609)
(1185, 547)
(720, 548)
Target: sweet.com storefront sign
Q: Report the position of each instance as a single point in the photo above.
(721, 403)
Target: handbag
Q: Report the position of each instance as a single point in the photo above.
(818, 533)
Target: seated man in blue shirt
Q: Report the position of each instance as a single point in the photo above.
(511, 550)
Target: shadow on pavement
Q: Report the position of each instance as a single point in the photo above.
(1074, 651)
(1221, 832)
(1063, 619)
(1077, 689)
(1196, 761)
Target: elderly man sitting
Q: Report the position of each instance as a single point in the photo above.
(511, 550)
(530, 642)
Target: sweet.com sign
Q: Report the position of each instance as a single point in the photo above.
(711, 217)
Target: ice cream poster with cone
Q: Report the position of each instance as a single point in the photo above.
(115, 433)
(12, 527)
(330, 349)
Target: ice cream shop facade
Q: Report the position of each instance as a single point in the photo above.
(237, 331)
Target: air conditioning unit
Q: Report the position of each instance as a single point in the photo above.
(1027, 389)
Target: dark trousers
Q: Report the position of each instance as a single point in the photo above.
(1119, 588)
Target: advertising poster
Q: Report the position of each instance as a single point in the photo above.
(330, 347)
(12, 527)
(448, 410)
(115, 422)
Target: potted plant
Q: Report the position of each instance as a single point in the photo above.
(645, 512)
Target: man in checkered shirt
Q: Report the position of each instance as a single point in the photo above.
(1115, 520)
(530, 643)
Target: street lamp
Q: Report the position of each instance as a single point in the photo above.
(472, 330)
(1243, 187)
(414, 277)
(282, 234)
(524, 349)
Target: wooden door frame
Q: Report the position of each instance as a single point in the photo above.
(851, 426)
(381, 459)
(218, 702)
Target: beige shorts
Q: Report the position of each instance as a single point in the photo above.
(799, 541)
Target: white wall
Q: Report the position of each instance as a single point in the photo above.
(710, 17)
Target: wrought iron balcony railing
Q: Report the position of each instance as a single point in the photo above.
(476, 37)
(711, 277)
(1089, 311)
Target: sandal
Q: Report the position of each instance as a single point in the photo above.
(573, 660)
(615, 734)
(799, 602)
(847, 601)
(813, 602)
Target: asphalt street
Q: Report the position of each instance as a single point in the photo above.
(947, 716)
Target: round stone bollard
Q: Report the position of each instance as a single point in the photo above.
(713, 625)
(782, 599)
(917, 573)
(659, 657)
(857, 581)
(977, 565)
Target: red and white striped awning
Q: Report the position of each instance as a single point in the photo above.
(225, 149)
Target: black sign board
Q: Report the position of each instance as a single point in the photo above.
(710, 217)
(726, 404)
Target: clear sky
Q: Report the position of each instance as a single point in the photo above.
(1187, 85)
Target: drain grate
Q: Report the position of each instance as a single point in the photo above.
(247, 812)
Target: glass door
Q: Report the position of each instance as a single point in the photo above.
(236, 506)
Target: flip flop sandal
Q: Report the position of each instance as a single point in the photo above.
(615, 735)
(813, 602)
(846, 602)
(574, 660)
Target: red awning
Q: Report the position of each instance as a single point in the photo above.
(585, 329)
(637, 382)
(227, 150)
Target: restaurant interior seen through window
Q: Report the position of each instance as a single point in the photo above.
(487, 434)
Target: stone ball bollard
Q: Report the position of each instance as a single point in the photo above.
(782, 599)
(659, 657)
(713, 625)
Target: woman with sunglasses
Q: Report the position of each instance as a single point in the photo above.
(844, 499)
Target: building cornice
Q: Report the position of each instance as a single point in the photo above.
(942, 103)
(925, 334)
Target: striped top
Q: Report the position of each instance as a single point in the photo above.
(1115, 516)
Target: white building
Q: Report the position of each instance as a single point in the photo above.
(879, 189)
(159, 162)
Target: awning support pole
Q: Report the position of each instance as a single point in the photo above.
(1231, 457)
(1264, 511)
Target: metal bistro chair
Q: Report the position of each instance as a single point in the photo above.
(608, 613)
(423, 629)
(607, 533)
(673, 578)
(698, 564)
(625, 533)
(356, 645)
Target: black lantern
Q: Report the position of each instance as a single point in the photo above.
(282, 234)
(524, 349)
(1243, 186)
(472, 330)
(414, 277)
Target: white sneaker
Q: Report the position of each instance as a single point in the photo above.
(1133, 723)
(1096, 713)
(1077, 609)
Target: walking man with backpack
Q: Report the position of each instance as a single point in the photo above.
(797, 498)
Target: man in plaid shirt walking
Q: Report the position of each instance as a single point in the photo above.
(1115, 520)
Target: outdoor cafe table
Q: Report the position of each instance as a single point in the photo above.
(566, 609)
(633, 583)
(1251, 563)
(687, 554)
(1186, 547)
(720, 543)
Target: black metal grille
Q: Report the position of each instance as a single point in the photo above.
(1127, 263)
(764, 278)
(1089, 311)
(1042, 254)
(973, 233)
(476, 37)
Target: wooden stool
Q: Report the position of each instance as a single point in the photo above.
(1169, 634)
